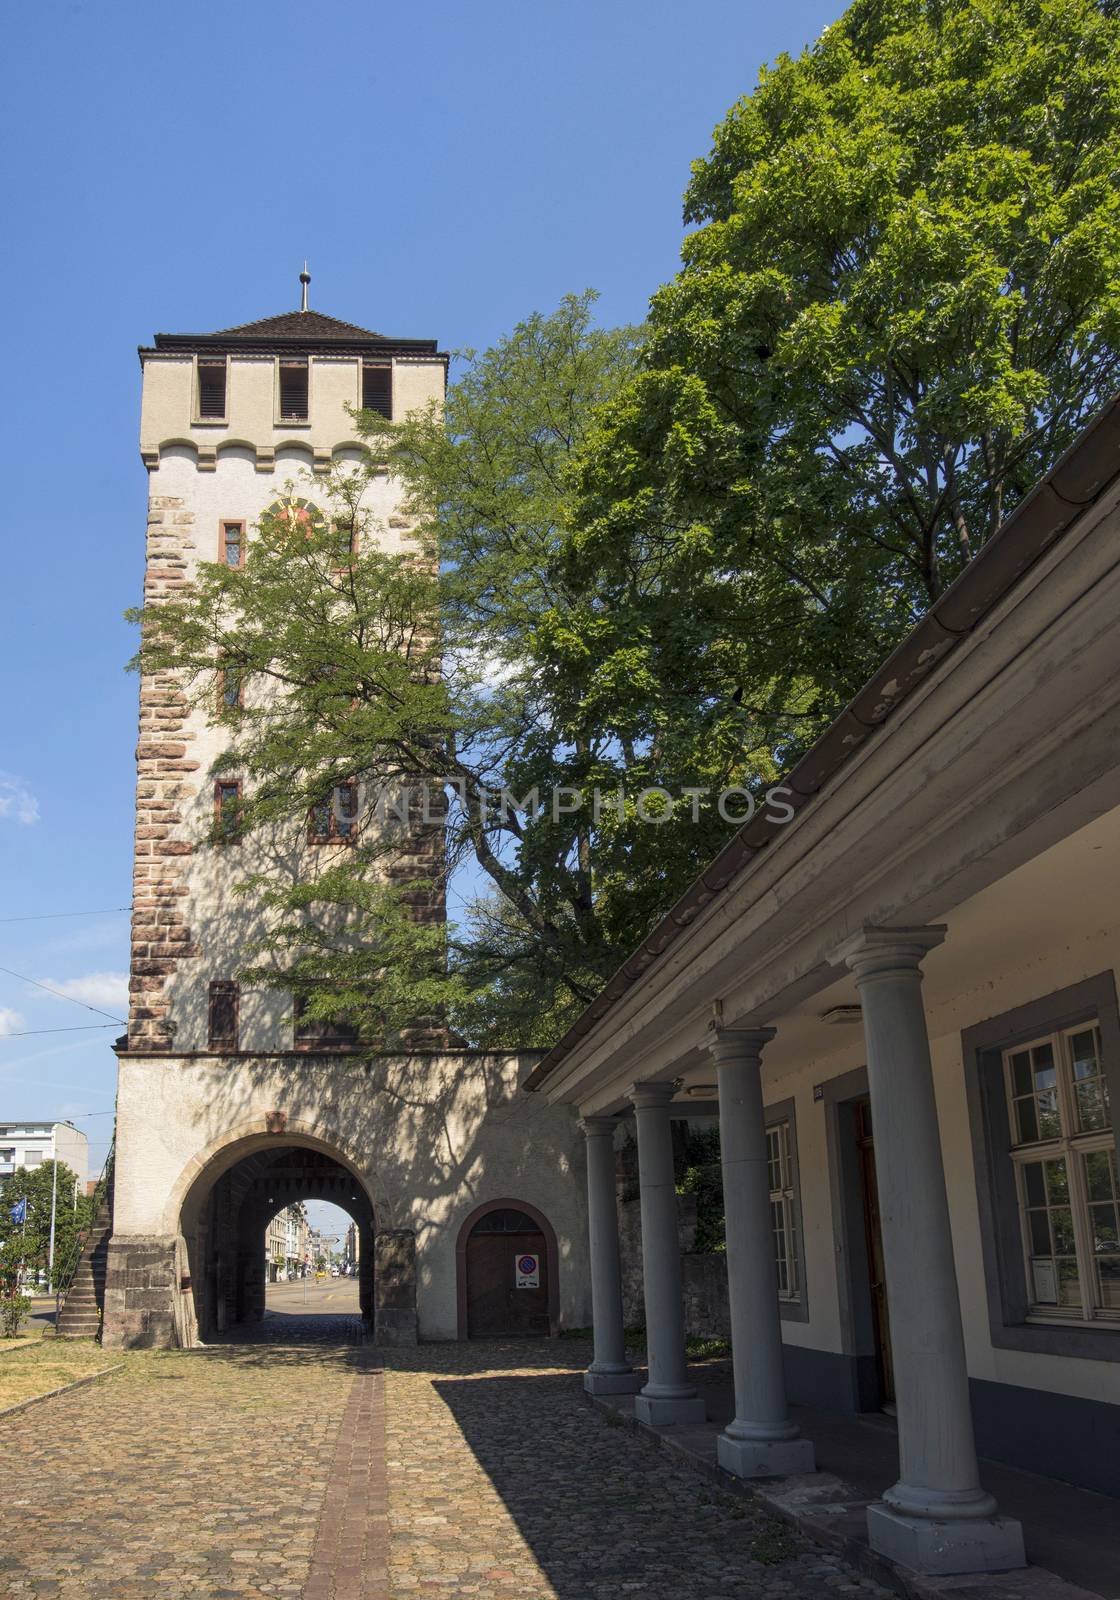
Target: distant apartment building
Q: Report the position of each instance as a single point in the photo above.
(350, 1248)
(26, 1145)
(283, 1245)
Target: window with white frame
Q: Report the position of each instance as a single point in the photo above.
(783, 1213)
(1064, 1155)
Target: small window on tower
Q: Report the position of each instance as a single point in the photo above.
(377, 389)
(293, 391)
(212, 390)
(322, 1033)
(334, 818)
(232, 547)
(224, 1005)
(231, 689)
(228, 816)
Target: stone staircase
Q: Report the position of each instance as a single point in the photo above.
(80, 1316)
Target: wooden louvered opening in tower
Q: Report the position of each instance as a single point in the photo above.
(293, 391)
(211, 389)
(377, 389)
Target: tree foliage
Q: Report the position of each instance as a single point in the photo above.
(25, 1249)
(899, 304)
(666, 560)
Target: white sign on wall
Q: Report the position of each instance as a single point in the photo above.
(1045, 1283)
(527, 1271)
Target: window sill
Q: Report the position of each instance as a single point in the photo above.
(292, 422)
(318, 1047)
(793, 1310)
(1086, 1341)
(210, 422)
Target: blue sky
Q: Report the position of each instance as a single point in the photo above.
(446, 168)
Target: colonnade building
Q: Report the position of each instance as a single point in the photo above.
(902, 1007)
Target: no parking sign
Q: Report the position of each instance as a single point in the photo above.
(527, 1270)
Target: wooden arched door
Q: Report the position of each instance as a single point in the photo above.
(507, 1269)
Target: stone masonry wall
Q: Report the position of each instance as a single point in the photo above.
(161, 935)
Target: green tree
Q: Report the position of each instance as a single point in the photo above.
(899, 304)
(28, 1246)
(418, 666)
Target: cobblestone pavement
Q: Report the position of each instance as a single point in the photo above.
(294, 1328)
(308, 1472)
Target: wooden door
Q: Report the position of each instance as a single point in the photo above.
(496, 1307)
(880, 1313)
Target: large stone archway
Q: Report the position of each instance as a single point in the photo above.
(204, 1275)
(222, 1224)
(410, 1143)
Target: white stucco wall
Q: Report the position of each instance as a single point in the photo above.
(1048, 925)
(224, 924)
(167, 409)
(430, 1137)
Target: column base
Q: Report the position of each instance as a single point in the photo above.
(664, 1412)
(967, 1544)
(765, 1458)
(611, 1382)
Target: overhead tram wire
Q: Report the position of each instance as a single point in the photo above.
(81, 1027)
(58, 994)
(53, 916)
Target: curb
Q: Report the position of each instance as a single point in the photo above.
(1028, 1583)
(52, 1394)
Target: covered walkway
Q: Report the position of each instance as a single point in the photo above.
(1071, 1533)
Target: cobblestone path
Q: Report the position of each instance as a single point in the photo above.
(310, 1472)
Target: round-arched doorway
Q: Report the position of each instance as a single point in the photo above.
(507, 1272)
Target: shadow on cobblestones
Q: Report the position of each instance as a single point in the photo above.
(601, 1514)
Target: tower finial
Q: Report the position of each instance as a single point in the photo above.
(305, 279)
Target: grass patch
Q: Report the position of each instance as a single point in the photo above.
(701, 1349)
(50, 1365)
(28, 1339)
(773, 1543)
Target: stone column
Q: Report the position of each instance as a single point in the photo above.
(668, 1396)
(937, 1518)
(609, 1372)
(761, 1441)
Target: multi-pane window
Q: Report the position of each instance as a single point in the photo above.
(293, 391)
(783, 1214)
(377, 388)
(1064, 1154)
(223, 1015)
(212, 390)
(334, 819)
(322, 1033)
(227, 810)
(231, 686)
(231, 545)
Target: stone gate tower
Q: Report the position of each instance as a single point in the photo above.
(229, 1107)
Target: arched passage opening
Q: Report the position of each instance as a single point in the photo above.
(225, 1217)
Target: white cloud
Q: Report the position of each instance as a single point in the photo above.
(10, 1022)
(95, 988)
(17, 801)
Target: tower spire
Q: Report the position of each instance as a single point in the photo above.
(305, 279)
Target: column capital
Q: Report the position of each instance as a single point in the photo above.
(598, 1127)
(745, 1045)
(882, 952)
(650, 1096)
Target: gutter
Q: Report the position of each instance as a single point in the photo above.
(1079, 477)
